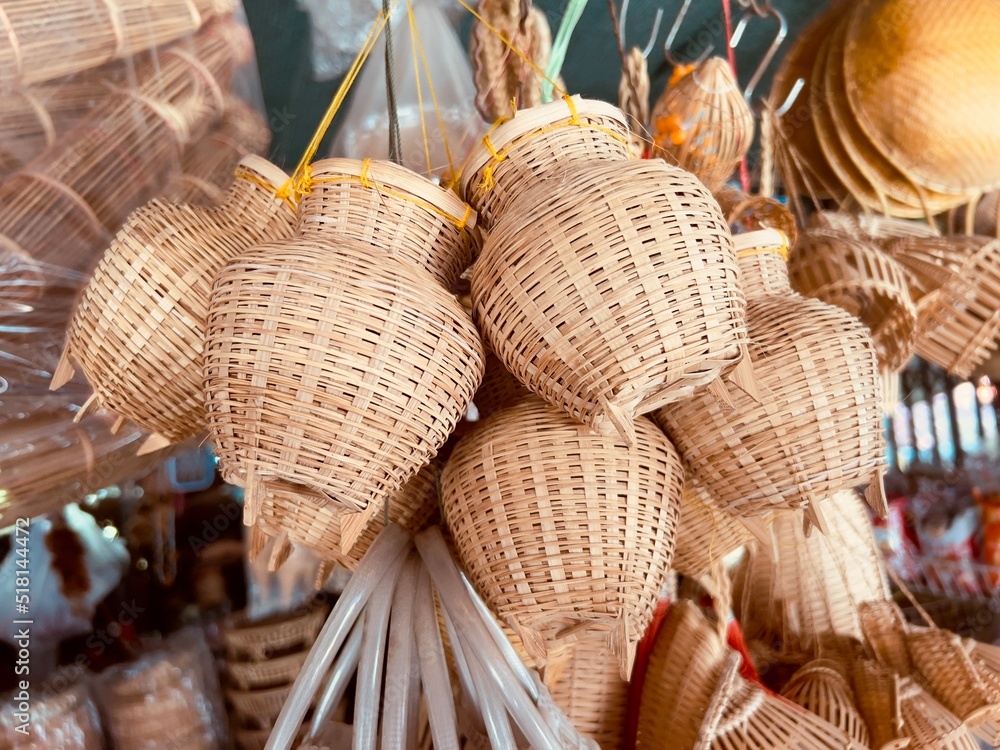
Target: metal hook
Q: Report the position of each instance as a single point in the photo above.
(652, 37)
(792, 96)
(668, 55)
(771, 51)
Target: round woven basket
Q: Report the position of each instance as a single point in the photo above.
(394, 209)
(681, 676)
(884, 631)
(950, 674)
(535, 145)
(707, 534)
(957, 283)
(703, 124)
(317, 524)
(333, 371)
(590, 691)
(138, 332)
(817, 372)
(923, 92)
(559, 528)
(857, 277)
(821, 688)
(613, 294)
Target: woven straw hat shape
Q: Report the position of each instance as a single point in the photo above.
(703, 124)
(681, 676)
(956, 281)
(559, 527)
(590, 691)
(334, 367)
(801, 588)
(817, 372)
(612, 293)
(138, 331)
(921, 80)
(821, 688)
(534, 144)
(858, 277)
(707, 533)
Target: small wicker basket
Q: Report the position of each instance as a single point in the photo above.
(878, 698)
(951, 675)
(884, 631)
(817, 429)
(560, 529)
(821, 688)
(262, 675)
(613, 292)
(703, 124)
(138, 331)
(748, 213)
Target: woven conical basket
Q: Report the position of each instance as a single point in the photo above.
(561, 528)
(612, 293)
(535, 145)
(703, 124)
(877, 689)
(821, 688)
(859, 278)
(817, 372)
(588, 688)
(681, 676)
(334, 370)
(138, 332)
(958, 294)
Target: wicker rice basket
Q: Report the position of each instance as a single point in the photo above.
(613, 293)
(817, 371)
(703, 124)
(859, 278)
(333, 369)
(138, 331)
(821, 688)
(535, 145)
(590, 691)
(681, 676)
(957, 283)
(561, 529)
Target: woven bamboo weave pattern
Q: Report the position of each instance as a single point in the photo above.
(707, 533)
(820, 688)
(929, 724)
(613, 293)
(557, 527)
(949, 672)
(884, 631)
(877, 689)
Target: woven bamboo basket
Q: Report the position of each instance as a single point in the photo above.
(138, 331)
(748, 213)
(315, 523)
(333, 370)
(800, 589)
(261, 706)
(884, 631)
(922, 94)
(681, 675)
(612, 294)
(957, 283)
(743, 715)
(817, 372)
(877, 690)
(499, 388)
(535, 146)
(560, 529)
(951, 675)
(590, 691)
(702, 123)
(821, 688)
(857, 277)
(928, 724)
(256, 641)
(258, 675)
(707, 534)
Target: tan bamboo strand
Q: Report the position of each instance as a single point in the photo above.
(41, 40)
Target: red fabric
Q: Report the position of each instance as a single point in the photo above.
(642, 654)
(734, 636)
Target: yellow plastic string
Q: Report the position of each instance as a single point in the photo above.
(751, 251)
(242, 174)
(365, 182)
(430, 86)
(574, 115)
(420, 95)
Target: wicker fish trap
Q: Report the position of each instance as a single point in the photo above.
(138, 330)
(884, 631)
(535, 145)
(821, 688)
(562, 529)
(333, 369)
(857, 277)
(612, 294)
(957, 291)
(703, 124)
(817, 372)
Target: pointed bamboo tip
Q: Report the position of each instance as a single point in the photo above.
(721, 394)
(814, 518)
(279, 552)
(624, 647)
(353, 525)
(253, 499)
(533, 642)
(744, 378)
(64, 372)
(622, 421)
(875, 495)
(758, 527)
(117, 426)
(155, 442)
(258, 541)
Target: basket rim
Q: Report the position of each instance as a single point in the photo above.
(525, 121)
(763, 239)
(399, 178)
(271, 173)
